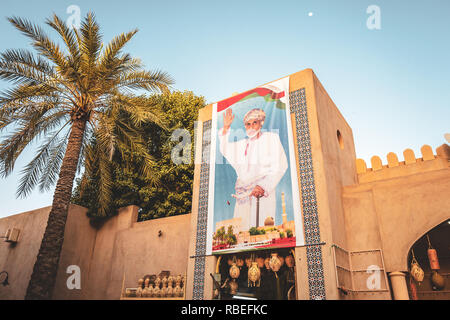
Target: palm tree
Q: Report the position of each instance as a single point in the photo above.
(69, 96)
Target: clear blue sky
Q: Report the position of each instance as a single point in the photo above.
(392, 85)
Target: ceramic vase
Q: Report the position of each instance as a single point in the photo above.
(234, 271)
(260, 262)
(289, 260)
(275, 262)
(157, 282)
(254, 274)
(233, 286)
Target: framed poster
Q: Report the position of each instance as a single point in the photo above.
(253, 188)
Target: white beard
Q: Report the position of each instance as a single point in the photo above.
(252, 133)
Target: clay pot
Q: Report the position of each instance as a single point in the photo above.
(275, 262)
(417, 272)
(164, 281)
(157, 282)
(177, 290)
(254, 273)
(170, 280)
(266, 263)
(139, 288)
(156, 292)
(150, 291)
(260, 262)
(437, 280)
(433, 258)
(234, 271)
(233, 287)
(289, 260)
(413, 287)
(169, 292)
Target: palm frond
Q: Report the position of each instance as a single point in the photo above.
(49, 175)
(67, 34)
(35, 169)
(41, 42)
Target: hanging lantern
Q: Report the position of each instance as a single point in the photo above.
(290, 262)
(234, 271)
(275, 263)
(437, 281)
(254, 275)
(432, 256)
(413, 287)
(233, 286)
(416, 271)
(260, 262)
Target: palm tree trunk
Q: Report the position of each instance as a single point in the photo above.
(43, 278)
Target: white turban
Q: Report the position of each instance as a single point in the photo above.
(255, 114)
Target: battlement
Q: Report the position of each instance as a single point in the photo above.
(411, 165)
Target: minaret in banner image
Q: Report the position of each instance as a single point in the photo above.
(284, 215)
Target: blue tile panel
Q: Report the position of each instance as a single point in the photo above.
(316, 281)
(202, 217)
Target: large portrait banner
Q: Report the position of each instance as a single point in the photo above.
(253, 188)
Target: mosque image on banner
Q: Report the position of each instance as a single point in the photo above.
(254, 194)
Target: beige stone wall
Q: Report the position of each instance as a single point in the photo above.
(18, 259)
(122, 249)
(334, 167)
(391, 214)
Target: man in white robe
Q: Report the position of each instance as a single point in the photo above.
(260, 163)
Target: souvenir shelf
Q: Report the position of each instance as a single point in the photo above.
(153, 287)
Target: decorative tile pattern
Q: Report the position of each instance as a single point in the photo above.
(316, 281)
(202, 217)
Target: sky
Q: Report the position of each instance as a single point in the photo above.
(391, 84)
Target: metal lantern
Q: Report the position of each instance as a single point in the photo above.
(437, 280)
(254, 275)
(416, 271)
(234, 271)
(413, 287)
(432, 256)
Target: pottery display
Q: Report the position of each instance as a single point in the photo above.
(157, 282)
(162, 286)
(260, 262)
(170, 280)
(266, 263)
(169, 292)
(234, 271)
(233, 286)
(254, 275)
(150, 291)
(156, 292)
(164, 281)
(145, 291)
(289, 260)
(416, 271)
(275, 262)
(437, 280)
(139, 288)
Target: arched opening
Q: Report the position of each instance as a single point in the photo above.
(436, 277)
